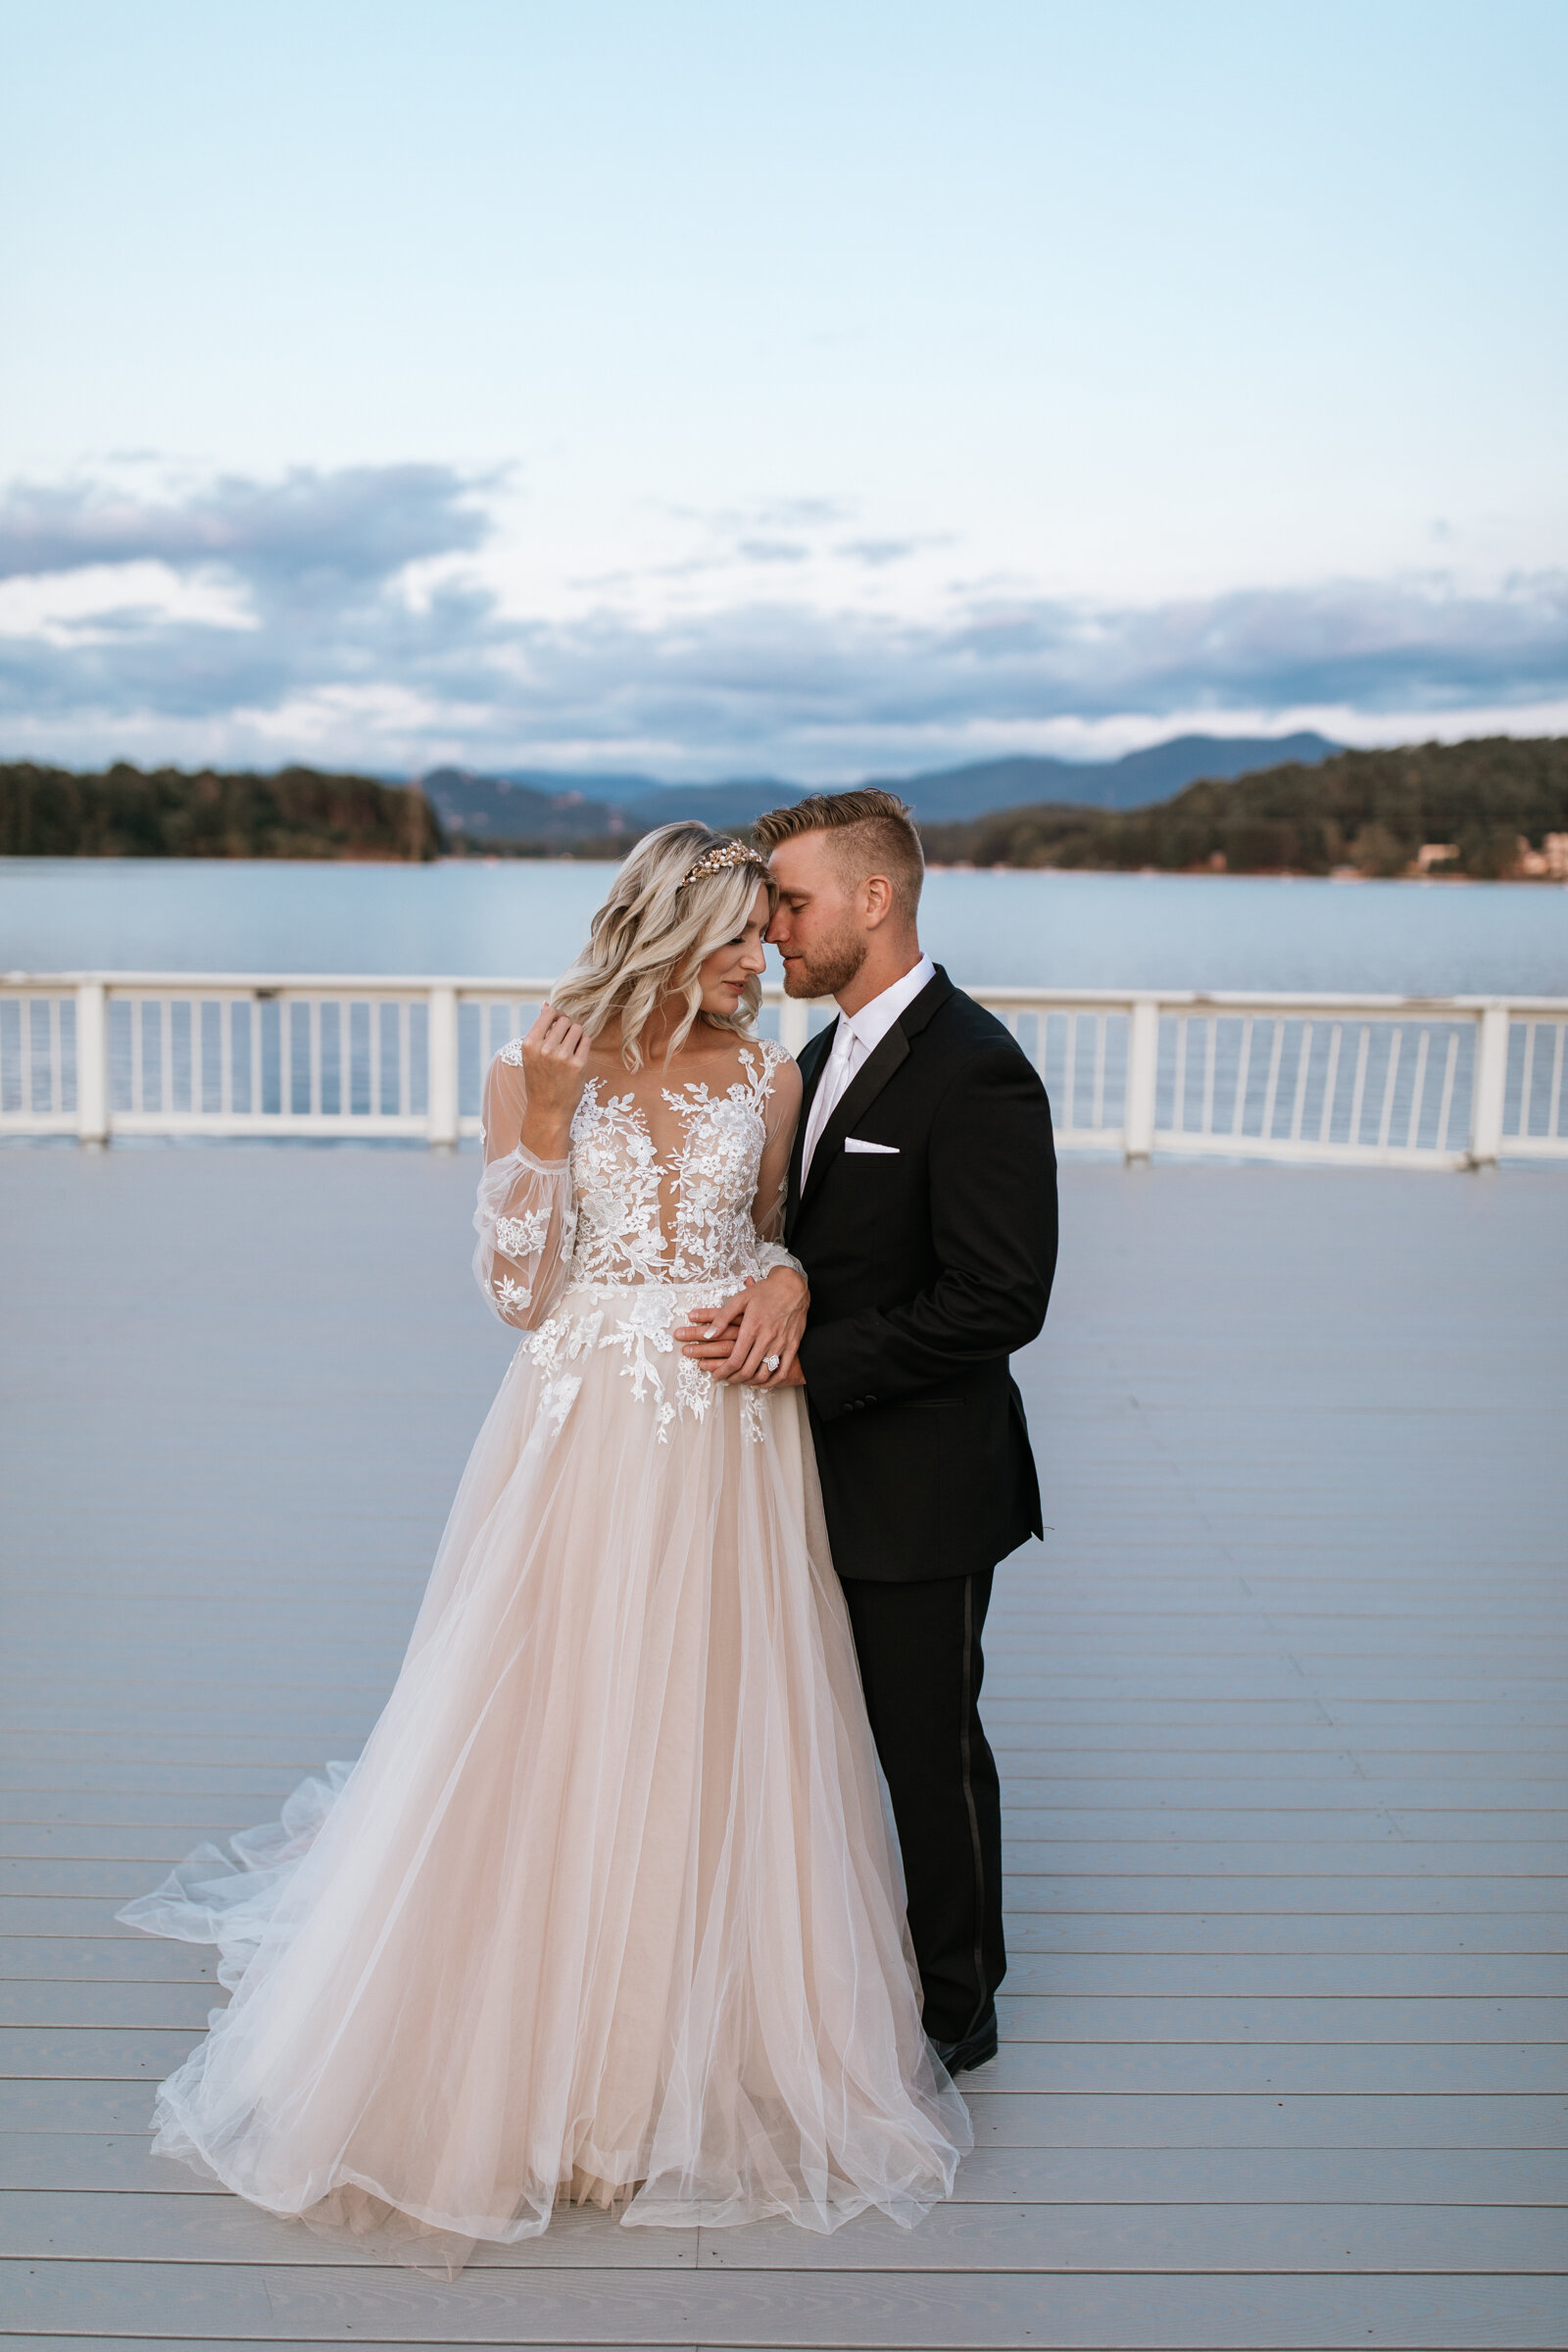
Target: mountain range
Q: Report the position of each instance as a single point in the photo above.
(552, 809)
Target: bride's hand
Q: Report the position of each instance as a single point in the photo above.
(554, 1070)
(766, 1318)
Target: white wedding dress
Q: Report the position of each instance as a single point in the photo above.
(610, 1907)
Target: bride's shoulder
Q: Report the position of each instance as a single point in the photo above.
(774, 1074)
(736, 1066)
(766, 1056)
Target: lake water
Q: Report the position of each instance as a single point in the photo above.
(524, 919)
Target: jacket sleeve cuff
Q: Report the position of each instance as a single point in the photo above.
(830, 1380)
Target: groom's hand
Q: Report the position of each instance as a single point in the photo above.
(766, 1318)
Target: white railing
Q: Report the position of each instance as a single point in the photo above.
(1358, 1081)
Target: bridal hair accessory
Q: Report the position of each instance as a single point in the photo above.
(716, 861)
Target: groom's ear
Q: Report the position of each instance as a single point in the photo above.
(877, 900)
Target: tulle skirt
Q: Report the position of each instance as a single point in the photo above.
(610, 1906)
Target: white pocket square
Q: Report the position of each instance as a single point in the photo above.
(853, 1143)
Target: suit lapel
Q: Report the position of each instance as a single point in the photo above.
(863, 1089)
(813, 1063)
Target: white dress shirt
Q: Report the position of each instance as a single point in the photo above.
(859, 1035)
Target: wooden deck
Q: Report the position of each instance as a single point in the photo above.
(1277, 1702)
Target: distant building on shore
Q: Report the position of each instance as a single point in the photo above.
(1550, 862)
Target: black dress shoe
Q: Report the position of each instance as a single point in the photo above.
(978, 2048)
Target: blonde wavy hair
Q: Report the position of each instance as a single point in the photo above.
(651, 934)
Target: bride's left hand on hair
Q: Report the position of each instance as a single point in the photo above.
(555, 1069)
(766, 1318)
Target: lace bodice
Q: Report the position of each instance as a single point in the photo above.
(705, 1190)
(663, 1185)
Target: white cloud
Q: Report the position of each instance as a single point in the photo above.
(350, 616)
(84, 606)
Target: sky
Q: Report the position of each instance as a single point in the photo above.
(808, 391)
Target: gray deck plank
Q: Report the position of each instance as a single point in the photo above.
(1129, 2019)
(1382, 1852)
(1272, 2240)
(996, 2173)
(162, 2227)
(1015, 2236)
(1170, 1892)
(1080, 1929)
(1279, 1708)
(16, 2342)
(126, 1959)
(139, 2054)
(263, 2303)
(50, 1792)
(1049, 1747)
(1033, 2120)
(133, 1959)
(67, 1822)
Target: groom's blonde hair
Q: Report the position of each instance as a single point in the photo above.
(650, 937)
(868, 831)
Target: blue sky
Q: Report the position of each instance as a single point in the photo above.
(815, 391)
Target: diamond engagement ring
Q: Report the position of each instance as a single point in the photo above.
(770, 1363)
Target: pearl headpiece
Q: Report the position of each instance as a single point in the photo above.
(717, 860)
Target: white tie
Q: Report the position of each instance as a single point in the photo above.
(841, 1066)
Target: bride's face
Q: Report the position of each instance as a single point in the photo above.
(723, 976)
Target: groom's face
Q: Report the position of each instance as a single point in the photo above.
(819, 929)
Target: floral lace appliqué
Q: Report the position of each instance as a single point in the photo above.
(637, 1225)
(643, 1332)
(552, 1346)
(617, 1177)
(519, 1237)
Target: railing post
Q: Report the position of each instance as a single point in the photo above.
(793, 1023)
(92, 1062)
(1143, 1072)
(1490, 1087)
(443, 1068)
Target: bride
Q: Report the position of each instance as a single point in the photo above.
(609, 1908)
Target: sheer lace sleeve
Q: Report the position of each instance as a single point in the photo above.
(780, 1117)
(526, 1218)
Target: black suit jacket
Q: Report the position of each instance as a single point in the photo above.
(928, 1265)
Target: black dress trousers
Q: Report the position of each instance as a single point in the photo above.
(921, 1666)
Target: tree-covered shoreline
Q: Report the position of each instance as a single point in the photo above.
(1492, 804)
(125, 811)
(1493, 809)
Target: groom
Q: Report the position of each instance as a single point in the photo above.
(922, 1203)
